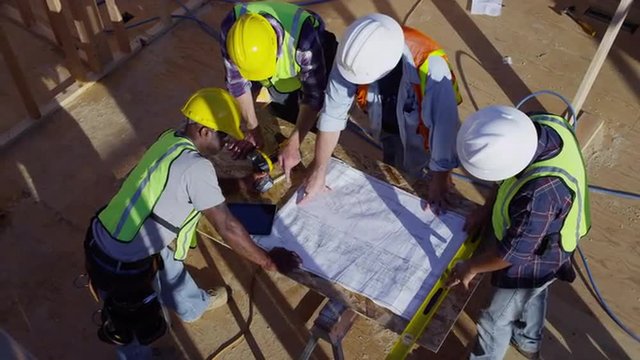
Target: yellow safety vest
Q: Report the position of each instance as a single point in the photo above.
(133, 204)
(291, 17)
(568, 165)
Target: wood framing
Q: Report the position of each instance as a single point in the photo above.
(18, 76)
(92, 28)
(122, 39)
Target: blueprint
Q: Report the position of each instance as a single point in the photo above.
(370, 237)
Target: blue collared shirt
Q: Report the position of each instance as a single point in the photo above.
(439, 108)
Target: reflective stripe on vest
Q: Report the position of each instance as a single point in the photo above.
(291, 17)
(127, 211)
(568, 165)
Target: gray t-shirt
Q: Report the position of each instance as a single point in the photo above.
(192, 184)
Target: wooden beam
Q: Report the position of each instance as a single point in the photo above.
(89, 27)
(59, 25)
(122, 38)
(165, 12)
(18, 75)
(54, 30)
(37, 28)
(74, 91)
(95, 26)
(26, 13)
(601, 54)
(80, 21)
(588, 127)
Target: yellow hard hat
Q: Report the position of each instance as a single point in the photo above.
(216, 109)
(252, 44)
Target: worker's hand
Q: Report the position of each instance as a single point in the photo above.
(254, 136)
(313, 186)
(460, 274)
(289, 157)
(268, 264)
(286, 260)
(240, 148)
(476, 220)
(438, 197)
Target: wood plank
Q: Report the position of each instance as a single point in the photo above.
(228, 172)
(120, 32)
(95, 27)
(165, 12)
(588, 127)
(59, 24)
(63, 99)
(25, 12)
(80, 21)
(601, 54)
(54, 30)
(37, 28)
(18, 75)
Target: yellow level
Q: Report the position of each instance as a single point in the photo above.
(431, 303)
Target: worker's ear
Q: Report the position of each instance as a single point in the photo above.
(206, 133)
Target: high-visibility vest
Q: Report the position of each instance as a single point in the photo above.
(127, 211)
(568, 165)
(421, 47)
(291, 17)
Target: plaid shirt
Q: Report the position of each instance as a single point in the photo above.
(309, 55)
(537, 213)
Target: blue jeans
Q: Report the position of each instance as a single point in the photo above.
(516, 314)
(177, 291)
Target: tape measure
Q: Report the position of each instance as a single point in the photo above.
(431, 303)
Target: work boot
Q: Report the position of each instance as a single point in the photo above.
(528, 355)
(218, 297)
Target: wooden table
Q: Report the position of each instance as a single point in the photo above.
(236, 191)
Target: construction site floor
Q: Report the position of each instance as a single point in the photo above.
(57, 175)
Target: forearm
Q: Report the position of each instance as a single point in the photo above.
(306, 119)
(488, 261)
(441, 177)
(237, 237)
(325, 144)
(248, 110)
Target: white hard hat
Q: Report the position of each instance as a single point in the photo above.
(370, 48)
(496, 143)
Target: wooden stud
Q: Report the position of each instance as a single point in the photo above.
(80, 21)
(588, 126)
(95, 26)
(72, 93)
(26, 13)
(601, 54)
(50, 16)
(59, 25)
(37, 28)
(118, 26)
(90, 31)
(18, 76)
(165, 15)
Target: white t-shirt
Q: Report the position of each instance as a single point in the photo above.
(192, 184)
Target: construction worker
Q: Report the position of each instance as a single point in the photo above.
(128, 259)
(286, 49)
(537, 216)
(403, 80)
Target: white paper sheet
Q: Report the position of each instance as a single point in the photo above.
(370, 237)
(486, 7)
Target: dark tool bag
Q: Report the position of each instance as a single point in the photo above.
(131, 308)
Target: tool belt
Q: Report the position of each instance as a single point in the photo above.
(131, 309)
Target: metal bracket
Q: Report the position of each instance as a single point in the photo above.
(332, 325)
